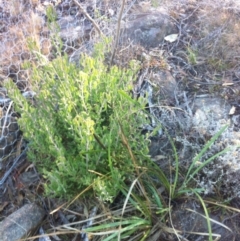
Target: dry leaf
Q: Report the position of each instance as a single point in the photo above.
(232, 111)
(171, 38)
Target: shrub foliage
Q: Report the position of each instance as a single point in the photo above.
(76, 125)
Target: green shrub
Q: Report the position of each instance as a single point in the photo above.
(74, 125)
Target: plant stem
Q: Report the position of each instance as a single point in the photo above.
(89, 18)
(118, 32)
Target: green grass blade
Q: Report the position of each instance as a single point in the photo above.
(185, 191)
(207, 216)
(112, 229)
(133, 221)
(158, 174)
(130, 99)
(203, 151)
(139, 204)
(156, 198)
(126, 231)
(172, 187)
(205, 163)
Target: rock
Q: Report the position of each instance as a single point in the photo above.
(208, 112)
(148, 29)
(73, 31)
(165, 83)
(17, 225)
(216, 107)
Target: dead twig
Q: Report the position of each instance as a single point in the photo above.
(118, 32)
(89, 17)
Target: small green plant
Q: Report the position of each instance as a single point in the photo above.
(75, 124)
(191, 56)
(83, 129)
(196, 168)
(155, 3)
(219, 64)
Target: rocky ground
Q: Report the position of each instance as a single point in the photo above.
(190, 71)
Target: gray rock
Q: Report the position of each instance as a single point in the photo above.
(73, 31)
(216, 107)
(209, 112)
(148, 29)
(20, 223)
(166, 84)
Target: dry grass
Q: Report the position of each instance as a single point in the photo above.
(214, 30)
(21, 30)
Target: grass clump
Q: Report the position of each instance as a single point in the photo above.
(75, 123)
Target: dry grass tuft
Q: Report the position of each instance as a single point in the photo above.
(213, 28)
(26, 28)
